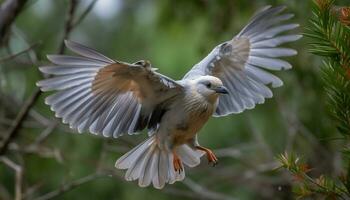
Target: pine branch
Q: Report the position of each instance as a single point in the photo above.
(331, 40)
(330, 34)
(331, 37)
(309, 186)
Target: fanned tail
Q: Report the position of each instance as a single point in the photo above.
(148, 163)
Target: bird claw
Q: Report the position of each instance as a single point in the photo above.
(214, 163)
(212, 158)
(178, 167)
(210, 155)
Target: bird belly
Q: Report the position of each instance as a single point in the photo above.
(187, 129)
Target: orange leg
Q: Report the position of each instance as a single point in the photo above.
(177, 163)
(210, 155)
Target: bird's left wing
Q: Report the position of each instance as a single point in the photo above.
(104, 96)
(241, 63)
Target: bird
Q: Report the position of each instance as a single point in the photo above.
(111, 98)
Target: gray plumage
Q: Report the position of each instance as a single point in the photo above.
(112, 98)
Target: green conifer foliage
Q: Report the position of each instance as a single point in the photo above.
(331, 39)
(329, 31)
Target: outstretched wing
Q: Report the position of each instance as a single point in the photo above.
(104, 96)
(241, 63)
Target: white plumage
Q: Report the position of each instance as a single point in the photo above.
(111, 98)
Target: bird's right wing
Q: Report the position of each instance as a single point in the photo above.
(104, 96)
(243, 62)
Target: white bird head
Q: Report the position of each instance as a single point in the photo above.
(209, 86)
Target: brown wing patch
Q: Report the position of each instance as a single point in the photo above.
(116, 78)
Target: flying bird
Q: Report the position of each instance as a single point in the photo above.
(111, 98)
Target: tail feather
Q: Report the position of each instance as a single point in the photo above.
(135, 169)
(129, 158)
(173, 175)
(150, 164)
(159, 178)
(146, 174)
(190, 157)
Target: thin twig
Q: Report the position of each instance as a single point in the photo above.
(10, 104)
(32, 190)
(46, 133)
(259, 137)
(4, 193)
(180, 192)
(22, 36)
(204, 192)
(27, 124)
(13, 132)
(70, 186)
(41, 150)
(19, 176)
(8, 12)
(85, 13)
(69, 23)
(18, 53)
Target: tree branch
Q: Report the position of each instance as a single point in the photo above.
(70, 186)
(83, 15)
(205, 192)
(13, 132)
(19, 176)
(12, 56)
(69, 23)
(8, 12)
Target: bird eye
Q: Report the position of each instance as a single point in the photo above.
(208, 84)
(141, 62)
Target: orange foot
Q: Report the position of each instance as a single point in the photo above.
(177, 163)
(210, 155)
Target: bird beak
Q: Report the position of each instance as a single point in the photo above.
(221, 90)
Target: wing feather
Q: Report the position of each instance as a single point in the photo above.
(241, 63)
(103, 96)
(87, 52)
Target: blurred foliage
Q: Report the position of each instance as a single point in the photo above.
(173, 35)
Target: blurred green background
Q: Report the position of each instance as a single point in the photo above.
(173, 35)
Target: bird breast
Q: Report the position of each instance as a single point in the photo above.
(196, 112)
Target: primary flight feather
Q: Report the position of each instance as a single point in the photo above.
(112, 98)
